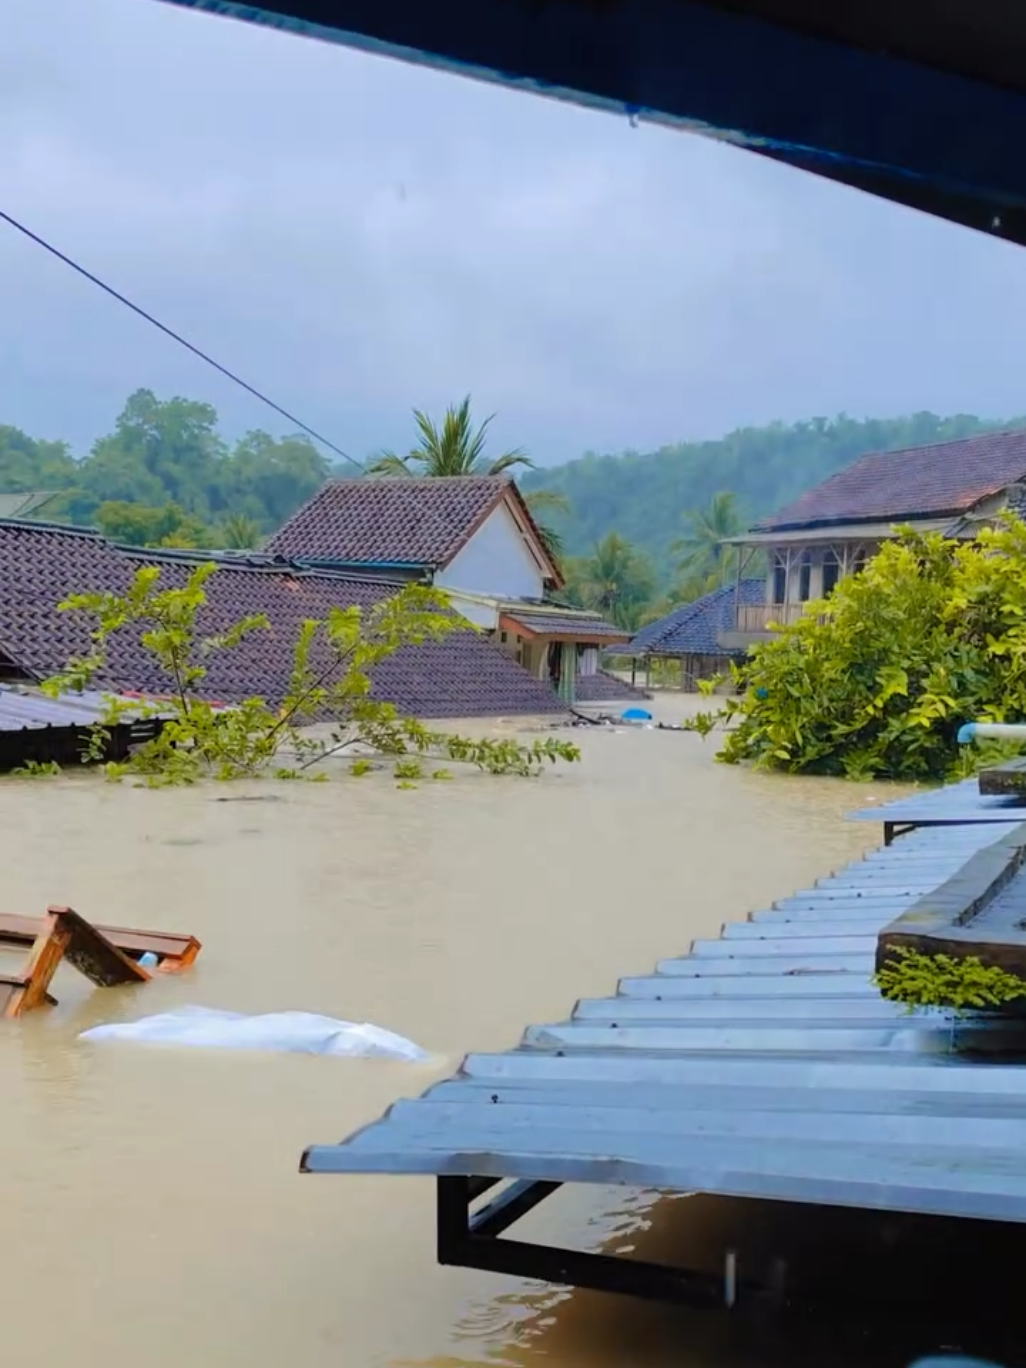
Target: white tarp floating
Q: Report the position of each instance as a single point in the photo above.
(296, 1032)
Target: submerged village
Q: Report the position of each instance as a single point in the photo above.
(185, 932)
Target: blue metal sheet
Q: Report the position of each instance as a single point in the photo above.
(957, 804)
(763, 1064)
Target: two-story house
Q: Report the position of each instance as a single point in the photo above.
(473, 536)
(833, 529)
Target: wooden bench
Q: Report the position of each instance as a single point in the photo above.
(106, 955)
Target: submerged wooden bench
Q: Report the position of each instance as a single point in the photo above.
(106, 955)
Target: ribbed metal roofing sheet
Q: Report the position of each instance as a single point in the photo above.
(957, 803)
(24, 711)
(762, 1064)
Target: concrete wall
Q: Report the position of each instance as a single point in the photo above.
(496, 560)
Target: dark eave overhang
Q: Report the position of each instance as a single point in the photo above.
(922, 102)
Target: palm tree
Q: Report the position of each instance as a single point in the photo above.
(457, 448)
(543, 501)
(616, 580)
(239, 533)
(703, 559)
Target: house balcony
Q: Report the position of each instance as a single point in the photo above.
(751, 623)
(755, 618)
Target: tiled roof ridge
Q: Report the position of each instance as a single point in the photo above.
(803, 512)
(40, 525)
(932, 446)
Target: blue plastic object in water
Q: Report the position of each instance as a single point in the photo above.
(635, 715)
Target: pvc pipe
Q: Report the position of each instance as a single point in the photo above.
(991, 731)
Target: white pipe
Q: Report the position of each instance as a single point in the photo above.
(992, 731)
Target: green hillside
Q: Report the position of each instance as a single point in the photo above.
(646, 496)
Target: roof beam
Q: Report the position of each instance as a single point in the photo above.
(907, 130)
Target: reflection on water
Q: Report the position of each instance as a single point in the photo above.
(152, 1196)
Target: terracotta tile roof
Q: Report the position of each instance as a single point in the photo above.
(949, 477)
(41, 564)
(389, 520)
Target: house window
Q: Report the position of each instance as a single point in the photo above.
(502, 637)
(858, 560)
(831, 572)
(805, 577)
(779, 578)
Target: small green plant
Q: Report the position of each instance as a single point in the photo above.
(964, 984)
(408, 769)
(36, 769)
(333, 660)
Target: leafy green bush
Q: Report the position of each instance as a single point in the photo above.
(875, 682)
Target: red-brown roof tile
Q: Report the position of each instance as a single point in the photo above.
(949, 477)
(465, 675)
(389, 520)
(398, 521)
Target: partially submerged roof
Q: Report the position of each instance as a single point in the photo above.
(403, 521)
(946, 478)
(41, 564)
(694, 628)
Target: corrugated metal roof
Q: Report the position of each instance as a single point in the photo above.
(761, 1064)
(957, 803)
(23, 711)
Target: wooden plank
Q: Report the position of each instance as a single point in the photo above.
(175, 952)
(980, 912)
(1007, 780)
(92, 954)
(46, 954)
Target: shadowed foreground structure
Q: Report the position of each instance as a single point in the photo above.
(918, 103)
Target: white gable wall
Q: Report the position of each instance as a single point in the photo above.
(496, 560)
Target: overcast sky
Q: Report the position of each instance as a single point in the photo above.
(358, 236)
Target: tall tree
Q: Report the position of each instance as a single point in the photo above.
(543, 503)
(456, 448)
(239, 533)
(703, 557)
(615, 579)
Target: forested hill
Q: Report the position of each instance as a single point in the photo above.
(166, 476)
(645, 496)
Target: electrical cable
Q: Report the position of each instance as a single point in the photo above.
(20, 227)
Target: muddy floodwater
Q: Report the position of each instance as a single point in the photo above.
(153, 1216)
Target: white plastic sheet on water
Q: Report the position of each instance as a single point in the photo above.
(296, 1032)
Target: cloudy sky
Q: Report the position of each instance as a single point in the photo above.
(357, 237)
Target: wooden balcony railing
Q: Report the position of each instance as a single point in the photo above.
(757, 617)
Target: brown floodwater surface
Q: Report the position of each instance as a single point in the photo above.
(152, 1210)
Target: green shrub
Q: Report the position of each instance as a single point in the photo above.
(963, 984)
(875, 682)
